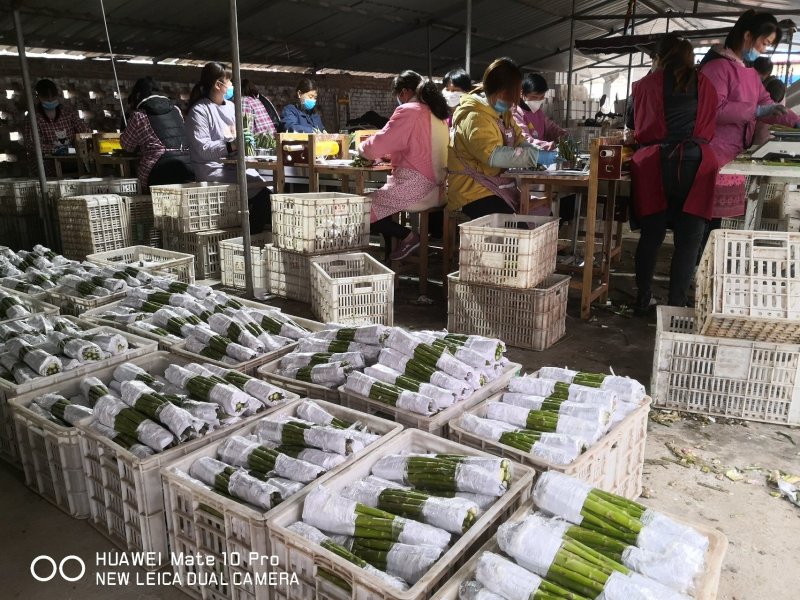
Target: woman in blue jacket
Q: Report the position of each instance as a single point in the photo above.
(303, 117)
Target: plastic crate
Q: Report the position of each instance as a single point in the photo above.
(534, 319)
(112, 185)
(34, 305)
(289, 274)
(9, 448)
(304, 558)
(194, 207)
(78, 306)
(706, 587)
(614, 463)
(352, 289)
(232, 262)
(438, 424)
(19, 196)
(142, 221)
(741, 379)
(269, 372)
(201, 521)
(50, 453)
(748, 286)
(22, 232)
(504, 250)
(126, 498)
(92, 224)
(204, 246)
(320, 222)
(166, 263)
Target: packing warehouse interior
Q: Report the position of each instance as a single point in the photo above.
(381, 299)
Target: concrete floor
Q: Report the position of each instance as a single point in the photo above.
(763, 530)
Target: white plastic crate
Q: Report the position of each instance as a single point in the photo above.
(706, 586)
(204, 246)
(742, 379)
(50, 453)
(352, 289)
(193, 207)
(534, 319)
(438, 424)
(9, 448)
(305, 559)
(19, 196)
(165, 263)
(232, 262)
(766, 224)
(92, 224)
(201, 521)
(142, 222)
(270, 372)
(508, 250)
(77, 305)
(320, 222)
(748, 286)
(289, 274)
(112, 185)
(614, 463)
(34, 305)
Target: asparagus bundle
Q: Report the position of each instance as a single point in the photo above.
(130, 443)
(113, 285)
(235, 483)
(489, 476)
(82, 350)
(557, 448)
(20, 371)
(627, 389)
(436, 357)
(19, 285)
(315, 535)
(114, 413)
(178, 287)
(241, 452)
(313, 345)
(245, 319)
(11, 307)
(503, 579)
(253, 405)
(231, 399)
(38, 360)
(313, 413)
(63, 409)
(575, 566)
(130, 372)
(266, 393)
(443, 398)
(222, 344)
(423, 372)
(614, 516)
(122, 314)
(597, 410)
(554, 390)
(392, 395)
(195, 346)
(334, 513)
(546, 421)
(110, 343)
(326, 460)
(164, 298)
(406, 561)
(330, 375)
(230, 328)
(299, 433)
(455, 515)
(147, 401)
(272, 321)
(72, 285)
(176, 322)
(372, 335)
(297, 360)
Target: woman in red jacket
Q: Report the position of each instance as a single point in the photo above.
(674, 169)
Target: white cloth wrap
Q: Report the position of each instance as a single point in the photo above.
(111, 343)
(128, 372)
(410, 563)
(485, 346)
(73, 413)
(523, 400)
(447, 513)
(42, 362)
(416, 403)
(530, 543)
(365, 491)
(359, 383)
(659, 533)
(421, 534)
(382, 373)
(470, 478)
(561, 495)
(364, 437)
(587, 412)
(557, 374)
(508, 413)
(262, 391)
(552, 454)
(331, 374)
(472, 358)
(589, 395)
(206, 469)
(351, 359)
(221, 323)
(627, 389)
(233, 400)
(580, 428)
(474, 590)
(258, 493)
(393, 359)
(295, 360)
(330, 512)
(458, 370)
(531, 386)
(286, 487)
(313, 413)
(485, 428)
(203, 412)
(676, 570)
(443, 380)
(326, 460)
(442, 398)
(325, 438)
(402, 341)
(503, 577)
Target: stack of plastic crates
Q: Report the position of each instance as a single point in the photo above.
(506, 287)
(20, 224)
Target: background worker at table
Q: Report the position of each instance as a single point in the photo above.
(303, 117)
(262, 112)
(485, 143)
(57, 123)
(536, 127)
(674, 170)
(455, 84)
(416, 139)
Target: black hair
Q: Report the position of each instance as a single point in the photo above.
(502, 75)
(249, 89)
(425, 90)
(209, 76)
(676, 56)
(776, 89)
(534, 84)
(763, 65)
(758, 24)
(459, 78)
(45, 87)
(143, 88)
(306, 85)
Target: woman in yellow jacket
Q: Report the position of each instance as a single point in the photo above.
(485, 143)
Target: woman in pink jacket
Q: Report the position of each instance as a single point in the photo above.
(743, 102)
(536, 127)
(416, 139)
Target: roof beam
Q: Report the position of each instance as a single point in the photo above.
(682, 15)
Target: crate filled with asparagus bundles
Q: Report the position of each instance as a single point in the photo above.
(398, 523)
(591, 426)
(18, 305)
(231, 487)
(577, 542)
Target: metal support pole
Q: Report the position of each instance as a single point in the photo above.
(630, 67)
(571, 64)
(241, 175)
(788, 59)
(37, 142)
(469, 36)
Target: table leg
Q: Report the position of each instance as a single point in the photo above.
(588, 250)
(524, 198)
(423, 253)
(577, 223)
(360, 183)
(345, 184)
(611, 199)
(58, 168)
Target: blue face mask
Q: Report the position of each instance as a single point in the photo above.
(229, 93)
(50, 104)
(751, 55)
(501, 106)
(309, 103)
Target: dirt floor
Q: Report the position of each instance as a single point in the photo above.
(764, 531)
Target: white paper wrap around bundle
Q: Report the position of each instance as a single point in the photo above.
(225, 325)
(74, 413)
(337, 514)
(410, 563)
(148, 432)
(561, 495)
(205, 412)
(163, 316)
(535, 402)
(233, 349)
(192, 344)
(325, 438)
(537, 386)
(360, 383)
(235, 450)
(660, 534)
(232, 400)
(313, 345)
(266, 393)
(326, 460)
(577, 427)
(474, 590)
(288, 329)
(41, 362)
(240, 484)
(486, 428)
(313, 413)
(174, 418)
(111, 343)
(398, 361)
(530, 543)
(468, 477)
(130, 372)
(286, 487)
(138, 450)
(505, 578)
(330, 375)
(636, 587)
(314, 535)
(676, 569)
(442, 397)
(372, 335)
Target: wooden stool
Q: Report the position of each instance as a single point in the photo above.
(421, 259)
(450, 239)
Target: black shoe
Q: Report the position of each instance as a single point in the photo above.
(645, 307)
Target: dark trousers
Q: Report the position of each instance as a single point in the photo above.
(388, 229)
(171, 168)
(688, 231)
(486, 206)
(260, 207)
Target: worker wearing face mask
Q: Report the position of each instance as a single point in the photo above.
(456, 83)
(304, 116)
(536, 127)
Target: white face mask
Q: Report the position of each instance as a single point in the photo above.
(534, 105)
(452, 98)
